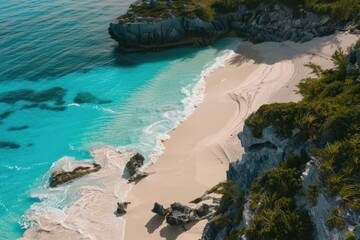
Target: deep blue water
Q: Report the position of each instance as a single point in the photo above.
(52, 50)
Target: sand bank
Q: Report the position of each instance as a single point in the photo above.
(199, 150)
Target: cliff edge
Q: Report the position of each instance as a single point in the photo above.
(298, 178)
(266, 22)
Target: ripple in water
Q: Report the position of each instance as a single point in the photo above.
(52, 52)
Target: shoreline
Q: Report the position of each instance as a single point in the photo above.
(194, 156)
(64, 223)
(197, 154)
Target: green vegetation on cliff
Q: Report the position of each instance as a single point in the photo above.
(328, 117)
(161, 9)
(340, 10)
(325, 126)
(275, 213)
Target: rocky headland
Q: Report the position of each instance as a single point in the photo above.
(267, 22)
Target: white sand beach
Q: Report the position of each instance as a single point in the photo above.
(197, 155)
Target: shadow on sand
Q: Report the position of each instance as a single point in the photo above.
(289, 50)
(168, 232)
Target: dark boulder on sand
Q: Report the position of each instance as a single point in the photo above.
(179, 215)
(136, 162)
(159, 209)
(121, 207)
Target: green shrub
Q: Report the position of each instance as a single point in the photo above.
(204, 13)
(312, 193)
(340, 10)
(350, 235)
(222, 221)
(335, 222)
(226, 6)
(275, 213)
(281, 115)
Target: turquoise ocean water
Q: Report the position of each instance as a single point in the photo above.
(52, 50)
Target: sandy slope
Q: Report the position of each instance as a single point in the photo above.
(198, 153)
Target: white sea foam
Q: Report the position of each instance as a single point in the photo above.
(73, 105)
(79, 209)
(97, 107)
(194, 95)
(17, 168)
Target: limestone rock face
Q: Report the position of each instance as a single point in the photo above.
(60, 177)
(169, 32)
(261, 154)
(358, 57)
(265, 23)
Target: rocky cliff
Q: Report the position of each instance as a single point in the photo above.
(265, 23)
(264, 154)
(327, 162)
(261, 155)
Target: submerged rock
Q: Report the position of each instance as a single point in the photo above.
(45, 106)
(18, 128)
(5, 114)
(87, 97)
(55, 94)
(136, 162)
(9, 145)
(61, 177)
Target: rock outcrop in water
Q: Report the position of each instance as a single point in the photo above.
(9, 145)
(5, 114)
(18, 128)
(61, 177)
(265, 23)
